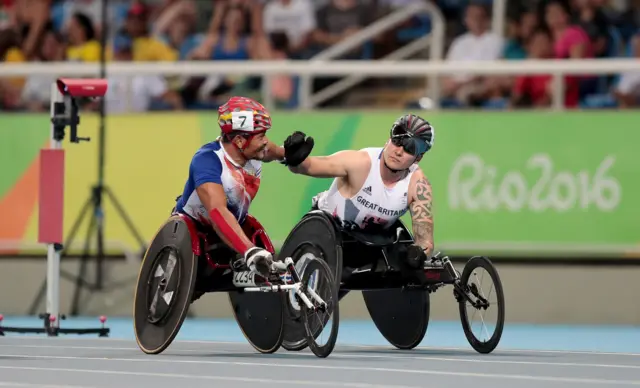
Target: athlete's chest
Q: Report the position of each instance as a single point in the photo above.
(381, 200)
(241, 180)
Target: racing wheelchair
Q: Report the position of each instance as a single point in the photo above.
(187, 259)
(396, 295)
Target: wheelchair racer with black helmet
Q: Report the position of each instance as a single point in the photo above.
(355, 226)
(374, 187)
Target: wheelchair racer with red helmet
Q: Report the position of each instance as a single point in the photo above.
(224, 176)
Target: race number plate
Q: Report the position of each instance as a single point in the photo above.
(244, 279)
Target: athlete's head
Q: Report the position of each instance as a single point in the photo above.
(411, 137)
(244, 123)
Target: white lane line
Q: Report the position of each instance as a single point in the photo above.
(218, 378)
(29, 385)
(373, 347)
(204, 353)
(160, 360)
(347, 355)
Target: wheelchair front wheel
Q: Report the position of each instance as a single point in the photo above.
(318, 282)
(478, 301)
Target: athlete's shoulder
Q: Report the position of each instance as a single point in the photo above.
(207, 158)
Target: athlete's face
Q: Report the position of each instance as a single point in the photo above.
(396, 158)
(257, 147)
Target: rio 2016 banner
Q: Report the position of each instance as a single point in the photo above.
(527, 183)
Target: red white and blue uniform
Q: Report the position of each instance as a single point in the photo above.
(212, 164)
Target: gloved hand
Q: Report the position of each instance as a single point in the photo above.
(416, 256)
(259, 260)
(296, 148)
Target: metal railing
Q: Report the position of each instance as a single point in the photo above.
(434, 40)
(557, 68)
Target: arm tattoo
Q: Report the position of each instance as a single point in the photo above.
(422, 217)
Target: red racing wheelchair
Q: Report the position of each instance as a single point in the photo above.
(187, 259)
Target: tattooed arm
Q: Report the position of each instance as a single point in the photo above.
(420, 197)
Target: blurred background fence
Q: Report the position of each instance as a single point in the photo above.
(534, 102)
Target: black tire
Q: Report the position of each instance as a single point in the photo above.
(492, 343)
(156, 330)
(317, 235)
(328, 287)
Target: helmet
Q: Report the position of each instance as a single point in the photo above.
(242, 114)
(413, 133)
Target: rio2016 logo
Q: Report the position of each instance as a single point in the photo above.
(476, 185)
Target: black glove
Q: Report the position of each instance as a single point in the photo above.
(296, 148)
(416, 256)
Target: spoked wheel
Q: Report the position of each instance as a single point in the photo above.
(482, 284)
(318, 280)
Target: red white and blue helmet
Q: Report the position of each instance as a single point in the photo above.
(243, 115)
(414, 133)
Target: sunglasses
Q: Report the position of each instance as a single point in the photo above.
(410, 144)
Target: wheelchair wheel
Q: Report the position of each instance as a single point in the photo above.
(319, 278)
(165, 287)
(476, 272)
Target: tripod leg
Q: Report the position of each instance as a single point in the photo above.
(83, 269)
(74, 229)
(99, 219)
(126, 219)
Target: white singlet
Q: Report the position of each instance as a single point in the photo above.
(375, 205)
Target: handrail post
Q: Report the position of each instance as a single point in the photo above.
(436, 52)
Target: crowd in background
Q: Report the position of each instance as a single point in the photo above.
(190, 30)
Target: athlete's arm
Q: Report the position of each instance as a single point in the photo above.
(336, 165)
(224, 223)
(207, 172)
(420, 198)
(274, 152)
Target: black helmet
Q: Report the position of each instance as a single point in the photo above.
(414, 133)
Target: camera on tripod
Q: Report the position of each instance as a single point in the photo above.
(65, 113)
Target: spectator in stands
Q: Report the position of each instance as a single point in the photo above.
(337, 21)
(570, 41)
(176, 24)
(145, 46)
(83, 44)
(251, 17)
(282, 85)
(594, 22)
(479, 43)
(534, 90)
(63, 11)
(10, 52)
(627, 91)
(30, 20)
(35, 96)
(139, 93)
(295, 18)
(520, 30)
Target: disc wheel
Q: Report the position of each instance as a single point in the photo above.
(164, 290)
(318, 278)
(475, 275)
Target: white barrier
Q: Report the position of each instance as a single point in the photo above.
(556, 68)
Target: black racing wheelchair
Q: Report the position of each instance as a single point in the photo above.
(396, 295)
(319, 263)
